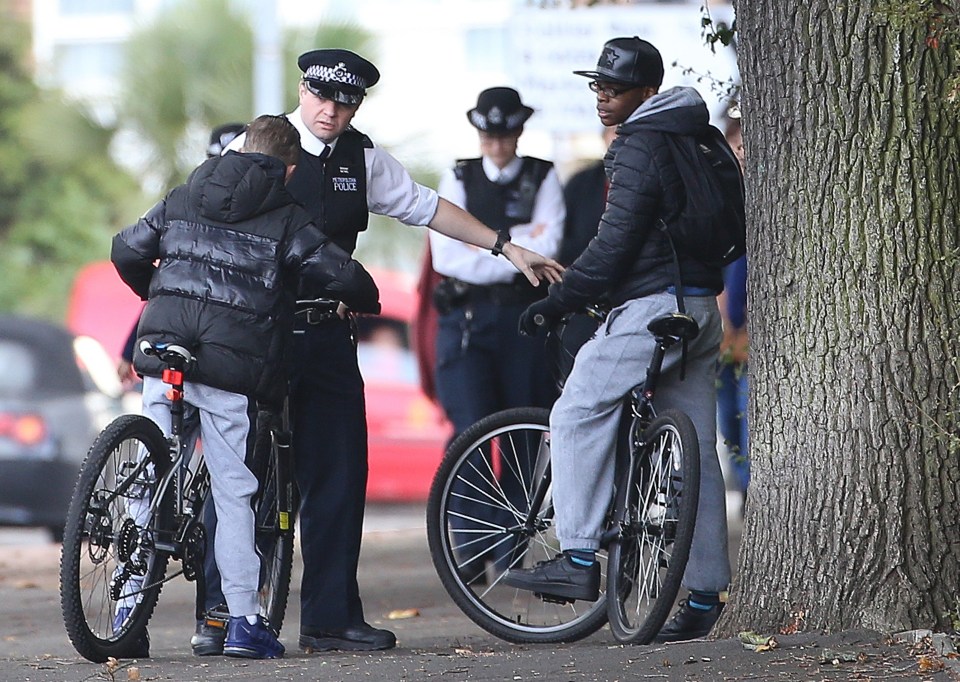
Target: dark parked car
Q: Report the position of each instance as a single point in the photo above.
(57, 391)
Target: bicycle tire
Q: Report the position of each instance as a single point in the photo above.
(274, 534)
(101, 539)
(656, 515)
(514, 615)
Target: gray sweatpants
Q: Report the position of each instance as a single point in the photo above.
(584, 422)
(224, 429)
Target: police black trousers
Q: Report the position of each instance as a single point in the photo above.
(330, 451)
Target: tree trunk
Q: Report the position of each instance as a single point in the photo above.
(853, 192)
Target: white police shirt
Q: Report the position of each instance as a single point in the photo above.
(542, 234)
(390, 189)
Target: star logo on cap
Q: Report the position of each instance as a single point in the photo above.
(608, 58)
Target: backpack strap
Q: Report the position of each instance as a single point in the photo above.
(678, 292)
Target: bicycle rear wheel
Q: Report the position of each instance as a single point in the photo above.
(656, 514)
(274, 512)
(109, 561)
(493, 478)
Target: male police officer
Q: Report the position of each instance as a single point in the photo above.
(341, 177)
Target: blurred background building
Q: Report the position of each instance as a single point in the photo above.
(435, 56)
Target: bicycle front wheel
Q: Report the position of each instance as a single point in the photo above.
(490, 509)
(656, 514)
(110, 571)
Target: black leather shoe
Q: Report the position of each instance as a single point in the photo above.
(361, 637)
(559, 577)
(689, 623)
(211, 632)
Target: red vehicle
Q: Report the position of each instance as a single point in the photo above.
(407, 432)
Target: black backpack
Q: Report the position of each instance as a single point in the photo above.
(711, 227)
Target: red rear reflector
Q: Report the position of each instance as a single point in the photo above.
(172, 376)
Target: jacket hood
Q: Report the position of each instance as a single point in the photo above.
(679, 110)
(234, 187)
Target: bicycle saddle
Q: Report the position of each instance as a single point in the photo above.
(674, 325)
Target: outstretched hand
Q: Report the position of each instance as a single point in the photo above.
(534, 266)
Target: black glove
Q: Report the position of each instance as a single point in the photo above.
(543, 313)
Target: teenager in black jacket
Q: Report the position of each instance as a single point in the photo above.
(630, 263)
(219, 262)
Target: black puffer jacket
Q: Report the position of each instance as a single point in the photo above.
(232, 247)
(630, 257)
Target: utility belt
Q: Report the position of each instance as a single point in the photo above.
(450, 293)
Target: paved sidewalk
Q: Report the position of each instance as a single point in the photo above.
(439, 643)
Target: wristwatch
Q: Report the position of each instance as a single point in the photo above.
(502, 239)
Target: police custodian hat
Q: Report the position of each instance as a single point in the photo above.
(340, 75)
(498, 111)
(631, 61)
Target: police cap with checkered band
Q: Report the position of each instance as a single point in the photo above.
(336, 74)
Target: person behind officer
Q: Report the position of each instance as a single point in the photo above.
(585, 197)
(631, 262)
(218, 261)
(341, 178)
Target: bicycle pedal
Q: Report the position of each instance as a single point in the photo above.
(553, 598)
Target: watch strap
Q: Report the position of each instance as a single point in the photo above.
(502, 239)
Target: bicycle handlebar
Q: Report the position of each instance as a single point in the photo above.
(323, 305)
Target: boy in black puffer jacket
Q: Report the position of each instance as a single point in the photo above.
(220, 262)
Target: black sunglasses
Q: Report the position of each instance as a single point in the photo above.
(608, 91)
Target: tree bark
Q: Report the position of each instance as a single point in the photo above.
(853, 192)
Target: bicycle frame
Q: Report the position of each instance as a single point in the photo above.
(638, 404)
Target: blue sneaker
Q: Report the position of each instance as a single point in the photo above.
(137, 649)
(251, 641)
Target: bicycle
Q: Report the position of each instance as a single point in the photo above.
(137, 503)
(649, 526)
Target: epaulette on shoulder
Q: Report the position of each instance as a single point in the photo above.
(364, 140)
(461, 166)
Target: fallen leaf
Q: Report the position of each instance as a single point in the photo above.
(755, 642)
(112, 665)
(930, 664)
(399, 614)
(133, 673)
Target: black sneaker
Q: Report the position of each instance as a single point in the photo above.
(689, 623)
(559, 577)
(211, 632)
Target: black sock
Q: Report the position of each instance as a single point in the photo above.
(703, 600)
